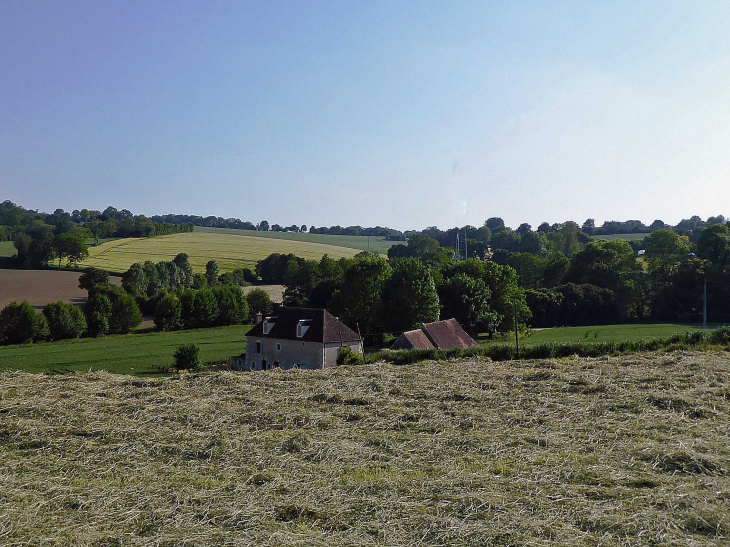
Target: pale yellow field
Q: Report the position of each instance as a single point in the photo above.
(230, 251)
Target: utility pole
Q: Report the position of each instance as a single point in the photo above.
(704, 308)
(517, 333)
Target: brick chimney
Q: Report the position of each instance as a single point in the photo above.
(259, 317)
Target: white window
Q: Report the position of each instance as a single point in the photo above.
(278, 347)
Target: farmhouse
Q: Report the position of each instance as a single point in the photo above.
(445, 334)
(296, 338)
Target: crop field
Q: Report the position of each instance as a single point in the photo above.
(609, 451)
(361, 243)
(599, 333)
(136, 354)
(40, 287)
(627, 237)
(230, 251)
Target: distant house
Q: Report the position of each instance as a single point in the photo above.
(296, 338)
(445, 334)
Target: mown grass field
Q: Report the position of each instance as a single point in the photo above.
(600, 333)
(136, 354)
(609, 451)
(361, 243)
(230, 251)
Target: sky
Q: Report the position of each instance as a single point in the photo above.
(399, 114)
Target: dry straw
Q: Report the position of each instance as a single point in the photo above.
(607, 451)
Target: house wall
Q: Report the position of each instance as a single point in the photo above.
(307, 355)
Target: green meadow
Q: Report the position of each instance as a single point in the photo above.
(136, 354)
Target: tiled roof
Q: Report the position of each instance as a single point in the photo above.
(413, 339)
(323, 326)
(448, 334)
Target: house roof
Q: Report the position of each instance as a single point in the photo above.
(445, 334)
(413, 339)
(323, 326)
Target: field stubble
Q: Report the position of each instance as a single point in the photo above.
(610, 451)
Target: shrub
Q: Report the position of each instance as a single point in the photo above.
(349, 357)
(187, 357)
(168, 314)
(98, 311)
(64, 320)
(720, 336)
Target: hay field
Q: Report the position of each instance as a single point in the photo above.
(610, 451)
(231, 251)
(361, 243)
(40, 287)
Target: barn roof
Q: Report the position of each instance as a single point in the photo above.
(445, 334)
(323, 326)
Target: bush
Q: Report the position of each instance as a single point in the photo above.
(187, 357)
(93, 277)
(349, 357)
(720, 336)
(20, 323)
(64, 320)
(98, 311)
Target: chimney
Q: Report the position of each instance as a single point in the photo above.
(259, 317)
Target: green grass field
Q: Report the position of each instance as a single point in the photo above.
(7, 249)
(627, 237)
(136, 354)
(230, 251)
(601, 333)
(361, 243)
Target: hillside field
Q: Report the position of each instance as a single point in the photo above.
(361, 243)
(609, 451)
(230, 251)
(41, 287)
(136, 354)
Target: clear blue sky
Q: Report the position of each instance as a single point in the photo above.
(390, 113)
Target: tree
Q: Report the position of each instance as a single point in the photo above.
(533, 242)
(125, 315)
(467, 300)
(168, 313)
(182, 262)
(263, 226)
(714, 245)
(359, 300)
(507, 240)
(187, 357)
(20, 323)
(64, 320)
(211, 273)
(232, 306)
(205, 308)
(664, 249)
(589, 226)
(409, 296)
(494, 224)
(523, 228)
(98, 310)
(134, 280)
(92, 277)
(258, 301)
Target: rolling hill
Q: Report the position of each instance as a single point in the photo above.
(230, 251)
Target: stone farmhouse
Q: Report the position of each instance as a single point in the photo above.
(304, 338)
(445, 334)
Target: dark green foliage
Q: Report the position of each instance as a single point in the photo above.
(205, 308)
(168, 314)
(98, 311)
(719, 336)
(64, 320)
(187, 357)
(93, 277)
(125, 315)
(211, 273)
(258, 301)
(20, 323)
(232, 305)
(409, 296)
(466, 299)
(348, 357)
(273, 268)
